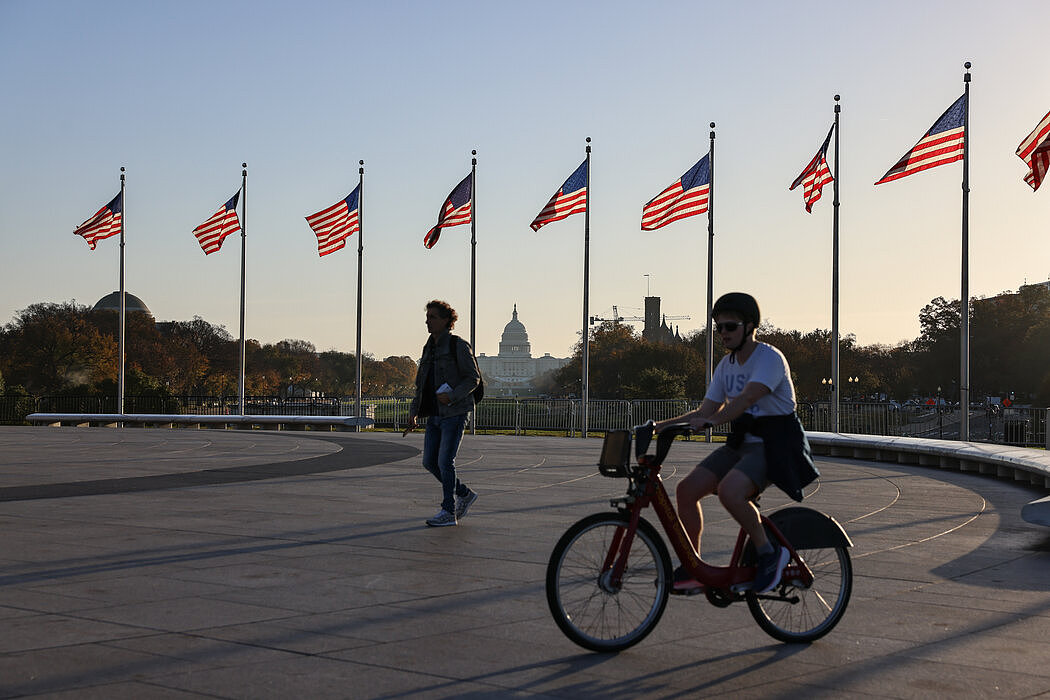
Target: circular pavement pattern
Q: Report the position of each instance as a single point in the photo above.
(180, 563)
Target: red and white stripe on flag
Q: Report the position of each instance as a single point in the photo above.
(560, 206)
(455, 210)
(450, 216)
(571, 198)
(673, 204)
(813, 178)
(105, 223)
(222, 223)
(1035, 152)
(333, 226)
(940, 149)
(454, 216)
(944, 143)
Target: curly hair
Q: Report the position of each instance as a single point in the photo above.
(444, 310)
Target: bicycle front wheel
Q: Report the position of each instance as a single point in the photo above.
(795, 613)
(587, 607)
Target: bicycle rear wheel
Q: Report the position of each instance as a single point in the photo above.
(795, 613)
(586, 606)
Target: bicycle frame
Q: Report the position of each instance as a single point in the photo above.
(647, 489)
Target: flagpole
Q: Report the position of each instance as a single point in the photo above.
(244, 228)
(964, 316)
(123, 306)
(585, 381)
(710, 270)
(360, 255)
(835, 283)
(473, 266)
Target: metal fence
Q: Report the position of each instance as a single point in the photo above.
(1014, 426)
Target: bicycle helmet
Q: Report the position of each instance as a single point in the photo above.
(738, 303)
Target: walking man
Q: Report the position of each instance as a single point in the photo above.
(446, 380)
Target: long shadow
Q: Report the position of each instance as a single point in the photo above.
(362, 454)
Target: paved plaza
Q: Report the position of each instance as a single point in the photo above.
(155, 563)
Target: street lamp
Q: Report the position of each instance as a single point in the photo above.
(852, 381)
(940, 416)
(830, 384)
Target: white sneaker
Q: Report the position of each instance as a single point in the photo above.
(442, 519)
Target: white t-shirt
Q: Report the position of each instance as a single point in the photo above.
(768, 367)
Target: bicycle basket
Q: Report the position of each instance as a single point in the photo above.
(616, 453)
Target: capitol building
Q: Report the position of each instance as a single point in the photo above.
(510, 373)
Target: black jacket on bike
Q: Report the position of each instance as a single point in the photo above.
(789, 460)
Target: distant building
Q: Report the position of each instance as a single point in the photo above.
(994, 300)
(511, 372)
(1044, 285)
(656, 329)
(111, 302)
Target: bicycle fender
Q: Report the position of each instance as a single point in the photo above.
(806, 528)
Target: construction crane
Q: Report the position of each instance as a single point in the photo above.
(674, 318)
(616, 317)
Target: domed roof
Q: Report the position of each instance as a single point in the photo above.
(515, 341)
(515, 330)
(111, 302)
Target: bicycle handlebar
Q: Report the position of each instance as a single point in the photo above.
(643, 435)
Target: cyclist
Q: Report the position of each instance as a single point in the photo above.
(751, 387)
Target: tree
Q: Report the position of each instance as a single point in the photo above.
(623, 365)
(205, 357)
(337, 372)
(49, 347)
(1007, 346)
(394, 376)
(67, 348)
(938, 347)
(286, 366)
(656, 382)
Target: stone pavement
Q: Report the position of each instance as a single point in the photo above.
(226, 564)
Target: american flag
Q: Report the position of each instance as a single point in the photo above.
(455, 211)
(336, 223)
(570, 199)
(105, 222)
(1035, 152)
(221, 224)
(942, 144)
(686, 196)
(815, 175)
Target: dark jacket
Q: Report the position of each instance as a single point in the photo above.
(789, 461)
(441, 363)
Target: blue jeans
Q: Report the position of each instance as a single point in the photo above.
(440, 445)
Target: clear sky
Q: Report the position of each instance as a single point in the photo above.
(180, 93)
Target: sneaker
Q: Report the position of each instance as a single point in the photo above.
(442, 519)
(770, 566)
(685, 584)
(465, 502)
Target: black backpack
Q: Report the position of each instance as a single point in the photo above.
(479, 391)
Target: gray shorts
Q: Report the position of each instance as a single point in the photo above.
(749, 459)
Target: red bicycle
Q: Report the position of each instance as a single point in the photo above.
(609, 575)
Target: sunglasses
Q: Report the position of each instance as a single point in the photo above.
(728, 326)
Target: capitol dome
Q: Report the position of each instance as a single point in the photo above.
(512, 371)
(515, 340)
(111, 302)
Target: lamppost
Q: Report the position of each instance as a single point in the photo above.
(830, 384)
(852, 388)
(940, 416)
